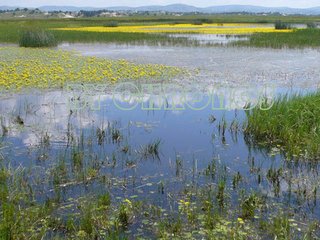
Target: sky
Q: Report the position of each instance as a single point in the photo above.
(135, 3)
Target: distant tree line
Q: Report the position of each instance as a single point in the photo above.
(93, 13)
(20, 10)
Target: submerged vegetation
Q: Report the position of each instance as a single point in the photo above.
(151, 150)
(92, 192)
(292, 124)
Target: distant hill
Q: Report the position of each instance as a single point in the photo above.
(183, 8)
(66, 8)
(170, 8)
(257, 9)
(7, 8)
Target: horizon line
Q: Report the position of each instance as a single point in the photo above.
(105, 7)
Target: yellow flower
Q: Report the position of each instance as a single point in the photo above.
(240, 220)
(42, 68)
(229, 28)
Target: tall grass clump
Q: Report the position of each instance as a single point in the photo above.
(151, 150)
(292, 124)
(312, 25)
(281, 25)
(37, 38)
(197, 22)
(111, 24)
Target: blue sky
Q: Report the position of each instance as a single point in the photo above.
(199, 3)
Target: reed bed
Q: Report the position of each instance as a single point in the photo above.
(299, 38)
(291, 124)
(37, 39)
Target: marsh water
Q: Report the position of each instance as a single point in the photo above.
(221, 66)
(193, 129)
(204, 39)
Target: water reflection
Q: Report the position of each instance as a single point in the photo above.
(205, 39)
(38, 129)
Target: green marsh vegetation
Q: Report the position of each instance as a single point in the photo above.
(122, 38)
(10, 30)
(281, 25)
(63, 200)
(111, 24)
(151, 150)
(37, 39)
(312, 25)
(299, 38)
(292, 124)
(14, 31)
(195, 213)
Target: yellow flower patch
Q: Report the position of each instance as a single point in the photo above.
(46, 68)
(235, 29)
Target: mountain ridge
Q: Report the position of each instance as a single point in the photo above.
(184, 8)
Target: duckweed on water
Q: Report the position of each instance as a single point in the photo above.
(47, 68)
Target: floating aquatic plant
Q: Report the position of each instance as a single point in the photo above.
(44, 68)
